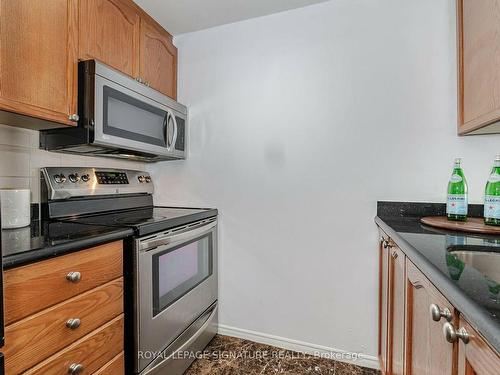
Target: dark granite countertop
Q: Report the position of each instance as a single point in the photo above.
(46, 239)
(474, 294)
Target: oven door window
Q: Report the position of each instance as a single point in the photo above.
(178, 270)
(130, 118)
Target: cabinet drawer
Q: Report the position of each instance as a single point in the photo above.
(36, 337)
(92, 351)
(114, 367)
(34, 287)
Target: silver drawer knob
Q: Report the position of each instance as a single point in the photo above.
(75, 369)
(73, 323)
(437, 313)
(452, 335)
(74, 277)
(73, 117)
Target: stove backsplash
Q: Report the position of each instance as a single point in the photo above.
(21, 160)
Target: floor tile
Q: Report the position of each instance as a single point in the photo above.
(234, 356)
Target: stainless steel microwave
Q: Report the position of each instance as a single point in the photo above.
(121, 117)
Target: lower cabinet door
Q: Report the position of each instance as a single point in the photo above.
(475, 357)
(427, 351)
(383, 301)
(396, 326)
(114, 367)
(87, 355)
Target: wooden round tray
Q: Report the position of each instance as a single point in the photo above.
(472, 225)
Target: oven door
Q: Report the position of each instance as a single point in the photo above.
(177, 282)
(127, 119)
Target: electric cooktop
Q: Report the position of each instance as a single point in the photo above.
(146, 220)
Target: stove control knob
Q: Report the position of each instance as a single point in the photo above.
(148, 179)
(141, 179)
(74, 177)
(59, 178)
(85, 178)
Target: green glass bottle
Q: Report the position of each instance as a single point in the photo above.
(492, 196)
(457, 202)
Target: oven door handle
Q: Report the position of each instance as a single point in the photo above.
(189, 233)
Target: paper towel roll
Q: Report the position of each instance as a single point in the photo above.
(15, 204)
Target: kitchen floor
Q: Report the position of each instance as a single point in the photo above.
(232, 356)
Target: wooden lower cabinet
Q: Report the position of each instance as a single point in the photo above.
(32, 288)
(30, 340)
(114, 367)
(383, 301)
(397, 278)
(427, 351)
(413, 315)
(67, 321)
(91, 352)
(476, 357)
(391, 306)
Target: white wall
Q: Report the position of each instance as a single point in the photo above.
(300, 122)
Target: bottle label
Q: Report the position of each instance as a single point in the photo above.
(456, 204)
(492, 206)
(455, 178)
(494, 177)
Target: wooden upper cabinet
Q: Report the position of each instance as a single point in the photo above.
(158, 58)
(109, 32)
(426, 350)
(475, 357)
(478, 66)
(38, 58)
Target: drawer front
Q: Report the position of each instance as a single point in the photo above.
(32, 288)
(33, 339)
(92, 351)
(114, 367)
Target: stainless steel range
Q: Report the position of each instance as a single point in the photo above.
(171, 262)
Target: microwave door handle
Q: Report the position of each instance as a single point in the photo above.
(165, 129)
(174, 139)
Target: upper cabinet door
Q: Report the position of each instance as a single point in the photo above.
(109, 32)
(158, 66)
(38, 58)
(479, 66)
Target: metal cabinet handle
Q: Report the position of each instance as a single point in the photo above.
(75, 369)
(437, 313)
(74, 277)
(73, 117)
(73, 323)
(451, 335)
(386, 244)
(394, 255)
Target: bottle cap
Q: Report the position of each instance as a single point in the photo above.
(497, 158)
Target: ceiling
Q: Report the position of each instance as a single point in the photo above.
(184, 16)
